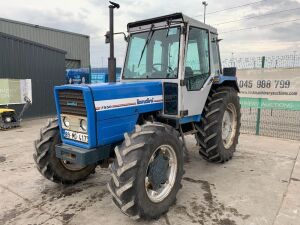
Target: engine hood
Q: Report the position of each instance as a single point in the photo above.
(110, 91)
(125, 97)
(114, 108)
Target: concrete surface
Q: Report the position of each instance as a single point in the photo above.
(260, 186)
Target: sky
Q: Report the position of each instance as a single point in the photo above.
(90, 17)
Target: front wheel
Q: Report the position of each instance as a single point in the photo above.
(220, 126)
(147, 171)
(51, 167)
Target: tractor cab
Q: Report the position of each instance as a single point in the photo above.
(179, 51)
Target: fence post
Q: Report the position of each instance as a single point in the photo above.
(258, 116)
(263, 60)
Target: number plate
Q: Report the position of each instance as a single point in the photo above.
(76, 136)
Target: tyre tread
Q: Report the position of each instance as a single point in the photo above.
(122, 182)
(208, 135)
(42, 154)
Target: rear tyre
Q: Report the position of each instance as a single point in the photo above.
(220, 126)
(49, 165)
(147, 171)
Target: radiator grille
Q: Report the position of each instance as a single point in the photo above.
(72, 102)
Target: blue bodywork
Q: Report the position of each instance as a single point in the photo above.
(190, 119)
(112, 124)
(100, 75)
(107, 122)
(228, 80)
(108, 126)
(76, 76)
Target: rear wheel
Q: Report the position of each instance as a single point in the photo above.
(51, 167)
(147, 171)
(220, 126)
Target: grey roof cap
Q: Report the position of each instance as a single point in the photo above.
(42, 27)
(172, 17)
(4, 35)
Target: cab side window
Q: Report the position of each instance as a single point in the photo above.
(197, 68)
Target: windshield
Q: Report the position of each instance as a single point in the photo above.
(153, 55)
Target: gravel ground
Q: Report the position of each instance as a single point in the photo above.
(259, 186)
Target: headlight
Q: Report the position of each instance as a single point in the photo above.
(8, 119)
(66, 122)
(83, 125)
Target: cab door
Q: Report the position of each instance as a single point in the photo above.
(197, 72)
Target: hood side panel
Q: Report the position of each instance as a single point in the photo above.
(118, 107)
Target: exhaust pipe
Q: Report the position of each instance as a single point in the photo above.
(110, 39)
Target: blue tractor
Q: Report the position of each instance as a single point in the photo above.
(172, 85)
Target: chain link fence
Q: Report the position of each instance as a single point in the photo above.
(262, 116)
(258, 117)
(269, 62)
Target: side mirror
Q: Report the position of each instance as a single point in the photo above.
(230, 71)
(215, 40)
(107, 39)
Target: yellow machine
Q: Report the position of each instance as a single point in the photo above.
(9, 117)
(6, 110)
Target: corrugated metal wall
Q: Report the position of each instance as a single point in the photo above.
(77, 46)
(45, 66)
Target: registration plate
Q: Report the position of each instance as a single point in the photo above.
(76, 136)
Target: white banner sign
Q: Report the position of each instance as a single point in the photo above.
(13, 91)
(274, 84)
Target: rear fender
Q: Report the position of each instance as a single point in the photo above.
(228, 81)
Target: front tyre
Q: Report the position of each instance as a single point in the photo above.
(51, 167)
(220, 126)
(147, 171)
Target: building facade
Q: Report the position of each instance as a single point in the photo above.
(76, 46)
(44, 65)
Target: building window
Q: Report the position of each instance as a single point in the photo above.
(73, 64)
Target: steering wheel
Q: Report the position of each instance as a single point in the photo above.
(169, 69)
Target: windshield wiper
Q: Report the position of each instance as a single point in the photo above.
(149, 37)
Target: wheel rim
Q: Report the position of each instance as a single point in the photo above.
(164, 189)
(229, 124)
(71, 166)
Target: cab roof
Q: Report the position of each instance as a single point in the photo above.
(163, 20)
